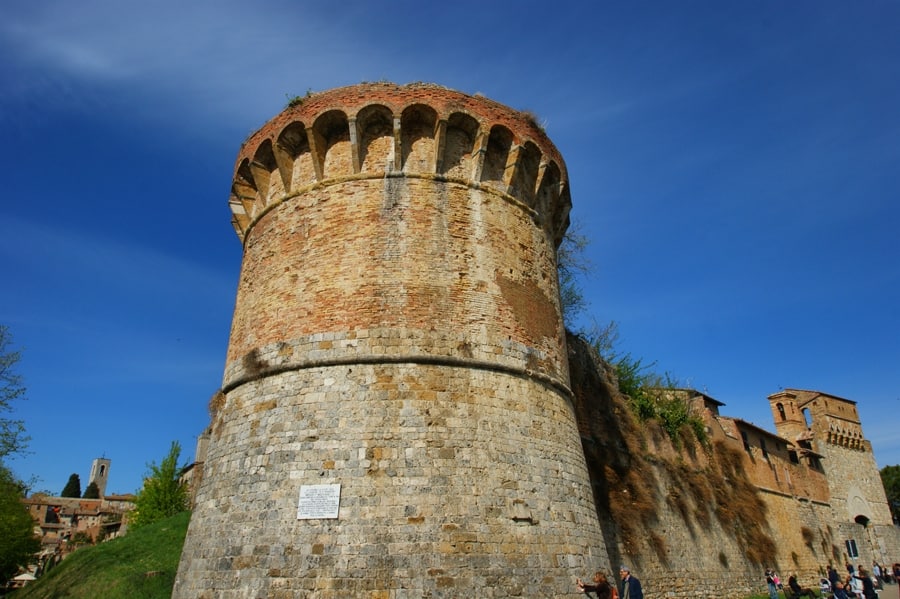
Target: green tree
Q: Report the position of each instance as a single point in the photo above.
(651, 396)
(73, 487)
(92, 491)
(82, 538)
(163, 493)
(17, 539)
(12, 432)
(890, 478)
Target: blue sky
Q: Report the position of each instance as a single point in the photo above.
(734, 164)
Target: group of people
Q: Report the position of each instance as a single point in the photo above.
(603, 589)
(773, 583)
(857, 584)
(884, 573)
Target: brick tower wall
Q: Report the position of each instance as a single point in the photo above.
(397, 331)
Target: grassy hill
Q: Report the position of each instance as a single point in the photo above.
(140, 565)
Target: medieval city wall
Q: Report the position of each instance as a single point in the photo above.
(679, 517)
(886, 540)
(856, 487)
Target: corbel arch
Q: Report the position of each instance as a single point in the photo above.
(459, 146)
(418, 123)
(244, 188)
(330, 142)
(263, 168)
(292, 153)
(375, 131)
(547, 196)
(526, 173)
(499, 144)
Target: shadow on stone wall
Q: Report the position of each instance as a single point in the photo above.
(640, 480)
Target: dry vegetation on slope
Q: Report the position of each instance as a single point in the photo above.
(636, 471)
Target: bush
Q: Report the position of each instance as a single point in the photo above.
(163, 493)
(73, 487)
(650, 398)
(17, 540)
(92, 491)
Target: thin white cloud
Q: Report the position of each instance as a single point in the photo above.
(117, 40)
(55, 51)
(186, 61)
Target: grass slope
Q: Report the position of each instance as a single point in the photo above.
(140, 565)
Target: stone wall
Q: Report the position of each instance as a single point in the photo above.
(450, 482)
(680, 517)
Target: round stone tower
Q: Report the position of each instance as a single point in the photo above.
(395, 418)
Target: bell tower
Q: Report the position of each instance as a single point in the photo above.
(100, 474)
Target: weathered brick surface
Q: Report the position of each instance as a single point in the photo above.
(463, 272)
(397, 331)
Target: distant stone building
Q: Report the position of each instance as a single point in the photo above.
(824, 431)
(818, 476)
(59, 520)
(192, 475)
(100, 474)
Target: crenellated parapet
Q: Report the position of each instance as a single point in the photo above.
(379, 130)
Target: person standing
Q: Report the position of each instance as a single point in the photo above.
(853, 586)
(876, 570)
(833, 577)
(868, 587)
(771, 584)
(631, 586)
(601, 587)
